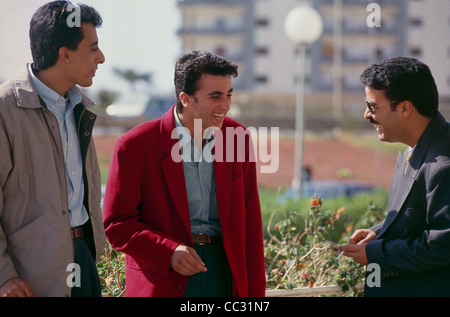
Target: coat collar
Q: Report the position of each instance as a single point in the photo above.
(26, 95)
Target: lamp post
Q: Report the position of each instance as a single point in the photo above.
(303, 25)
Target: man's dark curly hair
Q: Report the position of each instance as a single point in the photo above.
(190, 67)
(49, 31)
(404, 78)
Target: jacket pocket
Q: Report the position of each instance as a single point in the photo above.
(31, 234)
(413, 222)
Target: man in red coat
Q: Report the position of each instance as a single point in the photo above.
(182, 199)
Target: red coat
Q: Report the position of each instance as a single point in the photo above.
(146, 213)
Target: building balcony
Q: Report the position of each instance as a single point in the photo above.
(212, 30)
(363, 29)
(210, 2)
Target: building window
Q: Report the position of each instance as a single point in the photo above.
(415, 51)
(415, 22)
(327, 50)
(220, 50)
(261, 50)
(261, 79)
(262, 22)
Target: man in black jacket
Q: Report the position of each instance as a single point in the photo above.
(409, 252)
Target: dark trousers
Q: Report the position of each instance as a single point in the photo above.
(90, 282)
(216, 281)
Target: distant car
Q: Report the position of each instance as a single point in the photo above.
(135, 108)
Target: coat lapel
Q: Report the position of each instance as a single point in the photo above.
(173, 170)
(400, 187)
(222, 177)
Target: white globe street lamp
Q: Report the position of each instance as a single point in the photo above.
(303, 25)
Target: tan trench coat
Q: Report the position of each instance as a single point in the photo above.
(35, 240)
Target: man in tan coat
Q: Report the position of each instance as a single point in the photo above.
(51, 229)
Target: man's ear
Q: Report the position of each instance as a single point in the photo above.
(64, 55)
(406, 108)
(185, 99)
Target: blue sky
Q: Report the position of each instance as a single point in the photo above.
(137, 34)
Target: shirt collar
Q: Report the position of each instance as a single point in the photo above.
(178, 124)
(53, 98)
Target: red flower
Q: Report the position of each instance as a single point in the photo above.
(315, 202)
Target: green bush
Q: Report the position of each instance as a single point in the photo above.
(111, 270)
(301, 246)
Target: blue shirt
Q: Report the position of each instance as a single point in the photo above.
(63, 108)
(200, 183)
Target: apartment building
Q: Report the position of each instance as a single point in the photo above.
(251, 33)
(428, 39)
(224, 27)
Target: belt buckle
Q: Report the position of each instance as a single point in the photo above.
(202, 234)
(77, 232)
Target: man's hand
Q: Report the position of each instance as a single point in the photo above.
(16, 287)
(186, 261)
(362, 236)
(356, 248)
(355, 251)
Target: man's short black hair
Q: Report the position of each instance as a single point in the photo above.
(404, 78)
(49, 31)
(190, 67)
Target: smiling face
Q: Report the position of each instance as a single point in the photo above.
(85, 59)
(210, 103)
(388, 123)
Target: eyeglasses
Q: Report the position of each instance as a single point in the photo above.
(65, 8)
(372, 107)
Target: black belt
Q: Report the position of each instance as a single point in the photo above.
(77, 232)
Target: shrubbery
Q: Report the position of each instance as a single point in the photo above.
(301, 241)
(301, 248)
